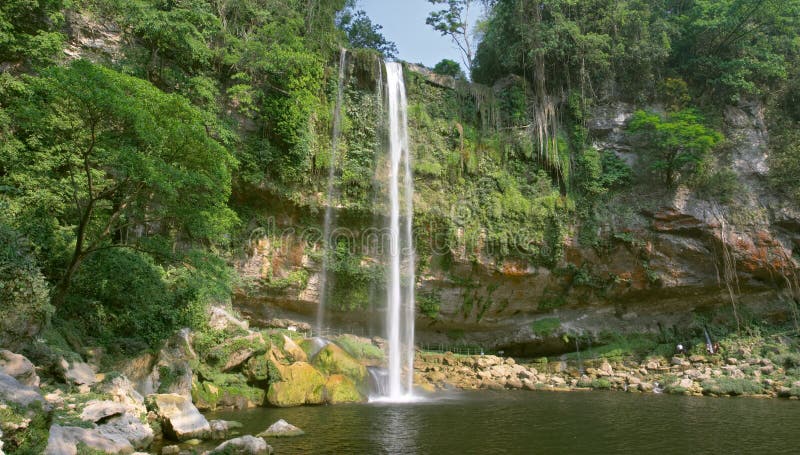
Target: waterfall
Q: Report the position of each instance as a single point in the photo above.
(330, 196)
(400, 292)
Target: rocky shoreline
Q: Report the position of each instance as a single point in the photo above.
(155, 402)
(740, 374)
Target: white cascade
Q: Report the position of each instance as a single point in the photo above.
(400, 286)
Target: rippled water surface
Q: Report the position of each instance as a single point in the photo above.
(538, 422)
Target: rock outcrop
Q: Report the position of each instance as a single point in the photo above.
(179, 418)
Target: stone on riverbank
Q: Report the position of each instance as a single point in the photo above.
(281, 429)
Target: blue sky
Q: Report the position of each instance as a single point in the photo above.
(403, 22)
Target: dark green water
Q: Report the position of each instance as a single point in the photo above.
(539, 422)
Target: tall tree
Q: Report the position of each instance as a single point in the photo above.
(107, 155)
(453, 21)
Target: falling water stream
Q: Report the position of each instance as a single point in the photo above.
(331, 196)
(400, 295)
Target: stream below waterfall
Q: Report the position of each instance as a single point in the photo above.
(536, 422)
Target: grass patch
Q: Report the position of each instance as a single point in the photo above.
(546, 326)
(359, 349)
(732, 386)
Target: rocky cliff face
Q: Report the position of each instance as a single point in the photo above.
(666, 257)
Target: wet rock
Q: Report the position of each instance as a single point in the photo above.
(179, 418)
(341, 389)
(170, 450)
(19, 368)
(246, 445)
(12, 391)
(281, 429)
(221, 429)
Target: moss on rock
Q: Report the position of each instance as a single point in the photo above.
(232, 392)
(301, 384)
(341, 389)
(334, 360)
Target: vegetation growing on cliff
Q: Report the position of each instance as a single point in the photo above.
(129, 161)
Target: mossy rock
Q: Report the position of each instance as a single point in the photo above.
(341, 389)
(293, 351)
(360, 348)
(260, 370)
(301, 384)
(24, 430)
(334, 360)
(235, 394)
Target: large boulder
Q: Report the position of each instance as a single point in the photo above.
(341, 389)
(281, 429)
(138, 434)
(301, 384)
(334, 360)
(179, 418)
(65, 441)
(246, 445)
(18, 367)
(98, 411)
(229, 391)
(13, 392)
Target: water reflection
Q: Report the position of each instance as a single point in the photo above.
(531, 422)
(399, 428)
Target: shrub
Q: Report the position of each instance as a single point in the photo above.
(731, 386)
(25, 308)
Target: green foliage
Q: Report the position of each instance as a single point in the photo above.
(429, 304)
(731, 386)
(105, 152)
(30, 31)
(124, 300)
(447, 67)
(453, 20)
(26, 308)
(784, 159)
(29, 440)
(359, 349)
(674, 144)
(546, 327)
(363, 33)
